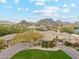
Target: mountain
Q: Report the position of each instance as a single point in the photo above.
(62, 23)
(7, 22)
(59, 22)
(23, 22)
(50, 21)
(46, 21)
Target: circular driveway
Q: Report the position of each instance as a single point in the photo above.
(9, 52)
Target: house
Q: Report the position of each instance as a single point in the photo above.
(48, 39)
(74, 38)
(62, 37)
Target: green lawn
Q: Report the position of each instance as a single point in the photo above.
(38, 54)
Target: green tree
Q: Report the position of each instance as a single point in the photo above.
(5, 29)
(2, 44)
(9, 29)
(67, 29)
(19, 29)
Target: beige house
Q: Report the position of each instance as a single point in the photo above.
(74, 38)
(49, 38)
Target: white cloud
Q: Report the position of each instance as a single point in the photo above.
(19, 9)
(26, 9)
(70, 5)
(38, 0)
(9, 7)
(53, 8)
(41, 0)
(65, 5)
(3, 1)
(48, 11)
(16, 1)
(39, 3)
(22, 9)
(66, 10)
(73, 5)
(1, 15)
(57, 0)
(52, 11)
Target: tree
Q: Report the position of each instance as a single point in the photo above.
(67, 29)
(10, 29)
(5, 29)
(19, 29)
(2, 44)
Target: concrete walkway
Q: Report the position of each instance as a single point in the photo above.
(45, 49)
(70, 51)
(9, 52)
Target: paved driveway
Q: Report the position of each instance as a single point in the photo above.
(7, 53)
(71, 52)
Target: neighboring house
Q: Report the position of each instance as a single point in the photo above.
(34, 27)
(74, 38)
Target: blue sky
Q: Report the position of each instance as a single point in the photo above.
(34, 10)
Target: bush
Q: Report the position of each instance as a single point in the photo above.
(8, 29)
(77, 49)
(45, 44)
(28, 36)
(40, 29)
(4, 30)
(76, 45)
(67, 29)
(2, 44)
(68, 43)
(19, 29)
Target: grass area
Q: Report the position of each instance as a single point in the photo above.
(38, 54)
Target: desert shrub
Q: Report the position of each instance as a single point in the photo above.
(2, 44)
(68, 43)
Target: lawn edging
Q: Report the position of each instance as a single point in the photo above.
(46, 49)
